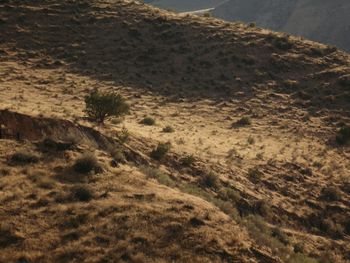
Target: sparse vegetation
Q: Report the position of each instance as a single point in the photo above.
(160, 176)
(101, 105)
(160, 151)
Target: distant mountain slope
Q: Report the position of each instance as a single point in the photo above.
(185, 5)
(319, 20)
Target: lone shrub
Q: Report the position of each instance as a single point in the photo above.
(188, 160)
(161, 150)
(331, 193)
(148, 121)
(168, 129)
(343, 136)
(86, 163)
(82, 193)
(123, 135)
(244, 121)
(100, 106)
(210, 180)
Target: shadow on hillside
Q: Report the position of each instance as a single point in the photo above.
(146, 51)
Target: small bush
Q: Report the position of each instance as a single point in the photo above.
(148, 121)
(331, 193)
(123, 135)
(82, 193)
(168, 129)
(118, 155)
(244, 121)
(100, 105)
(210, 180)
(262, 208)
(255, 175)
(187, 160)
(343, 136)
(24, 157)
(87, 163)
(161, 150)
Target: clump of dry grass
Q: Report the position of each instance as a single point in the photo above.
(149, 121)
(87, 163)
(82, 193)
(168, 129)
(244, 121)
(210, 180)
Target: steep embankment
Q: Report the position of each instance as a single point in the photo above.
(324, 21)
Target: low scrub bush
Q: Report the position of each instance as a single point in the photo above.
(160, 151)
(188, 160)
(148, 121)
(82, 193)
(343, 136)
(210, 180)
(24, 157)
(87, 163)
(168, 129)
(244, 121)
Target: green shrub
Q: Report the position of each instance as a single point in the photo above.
(86, 163)
(101, 105)
(24, 157)
(343, 136)
(168, 129)
(148, 121)
(161, 150)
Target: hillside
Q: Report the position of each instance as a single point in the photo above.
(184, 5)
(255, 172)
(323, 21)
